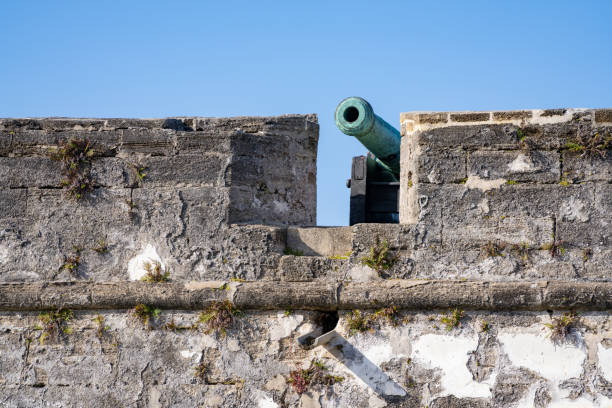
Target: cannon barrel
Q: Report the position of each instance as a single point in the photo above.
(355, 117)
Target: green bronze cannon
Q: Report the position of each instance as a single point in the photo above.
(355, 117)
(374, 181)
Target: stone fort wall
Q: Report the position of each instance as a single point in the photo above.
(494, 291)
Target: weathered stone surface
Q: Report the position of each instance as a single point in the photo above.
(331, 241)
(159, 184)
(20, 172)
(506, 226)
(305, 295)
(12, 203)
(308, 268)
(471, 137)
(579, 169)
(442, 166)
(537, 166)
(394, 364)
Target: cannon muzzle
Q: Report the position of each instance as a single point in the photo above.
(355, 117)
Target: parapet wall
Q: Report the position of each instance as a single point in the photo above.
(530, 188)
(176, 190)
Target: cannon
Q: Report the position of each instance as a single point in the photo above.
(374, 181)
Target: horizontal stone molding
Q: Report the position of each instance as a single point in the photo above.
(404, 294)
(428, 120)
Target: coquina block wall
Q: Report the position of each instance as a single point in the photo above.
(493, 292)
(173, 190)
(530, 187)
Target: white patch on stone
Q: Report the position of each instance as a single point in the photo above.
(209, 341)
(365, 365)
(555, 362)
(604, 356)
(483, 206)
(283, 326)
(267, 402)
(136, 265)
(188, 353)
(305, 328)
(451, 354)
(482, 184)
(280, 207)
(154, 396)
(574, 210)
(375, 402)
(521, 164)
(362, 273)
(4, 255)
(434, 175)
(233, 345)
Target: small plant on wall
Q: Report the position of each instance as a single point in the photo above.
(219, 317)
(452, 319)
(154, 273)
(593, 145)
(561, 326)
(316, 374)
(380, 258)
(75, 156)
(54, 323)
(145, 313)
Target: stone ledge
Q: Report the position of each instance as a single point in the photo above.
(404, 294)
(173, 123)
(420, 120)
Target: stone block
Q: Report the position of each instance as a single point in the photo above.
(588, 168)
(156, 142)
(511, 115)
(131, 123)
(537, 166)
(476, 233)
(33, 142)
(365, 237)
(471, 137)
(251, 252)
(470, 117)
(212, 141)
(112, 172)
(13, 203)
(594, 233)
(20, 172)
(6, 138)
(441, 166)
(550, 136)
(57, 225)
(603, 115)
(603, 199)
(597, 263)
(321, 241)
(263, 144)
(308, 268)
(539, 201)
(189, 170)
(258, 205)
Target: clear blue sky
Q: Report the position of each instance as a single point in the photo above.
(173, 58)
